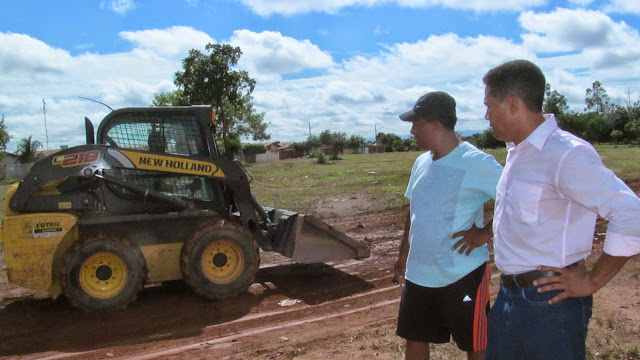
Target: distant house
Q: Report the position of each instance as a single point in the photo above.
(278, 151)
(44, 153)
(11, 168)
(9, 159)
(362, 149)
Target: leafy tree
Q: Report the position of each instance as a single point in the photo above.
(488, 140)
(473, 139)
(573, 122)
(597, 99)
(4, 137)
(319, 155)
(313, 141)
(337, 140)
(210, 79)
(632, 128)
(597, 129)
(302, 147)
(252, 122)
(409, 142)
(355, 141)
(554, 102)
(234, 145)
(250, 151)
(325, 138)
(634, 111)
(339, 143)
(618, 117)
(171, 98)
(616, 135)
(391, 142)
(27, 149)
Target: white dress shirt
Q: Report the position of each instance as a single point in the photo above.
(549, 195)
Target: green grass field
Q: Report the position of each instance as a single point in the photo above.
(379, 179)
(299, 184)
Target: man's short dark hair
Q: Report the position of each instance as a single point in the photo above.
(520, 78)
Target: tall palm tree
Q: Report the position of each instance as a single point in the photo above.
(27, 150)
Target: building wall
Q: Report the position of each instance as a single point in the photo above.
(270, 155)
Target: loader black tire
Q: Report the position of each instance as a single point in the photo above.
(220, 260)
(103, 272)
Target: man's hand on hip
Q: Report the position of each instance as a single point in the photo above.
(574, 280)
(472, 238)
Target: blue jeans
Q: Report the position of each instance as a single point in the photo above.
(522, 325)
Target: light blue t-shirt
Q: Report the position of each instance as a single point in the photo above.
(447, 196)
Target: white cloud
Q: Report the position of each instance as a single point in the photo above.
(365, 92)
(299, 83)
(475, 5)
(34, 70)
(582, 3)
(173, 41)
(595, 40)
(271, 52)
(288, 7)
(121, 7)
(569, 30)
(624, 6)
(24, 54)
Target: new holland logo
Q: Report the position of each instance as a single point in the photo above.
(172, 164)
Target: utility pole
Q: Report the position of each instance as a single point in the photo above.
(44, 111)
(310, 127)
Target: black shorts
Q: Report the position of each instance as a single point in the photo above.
(458, 310)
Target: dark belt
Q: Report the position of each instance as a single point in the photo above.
(525, 279)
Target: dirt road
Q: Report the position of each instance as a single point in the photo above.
(344, 310)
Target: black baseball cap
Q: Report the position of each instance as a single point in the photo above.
(433, 103)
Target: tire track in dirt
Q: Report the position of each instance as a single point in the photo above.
(228, 340)
(251, 325)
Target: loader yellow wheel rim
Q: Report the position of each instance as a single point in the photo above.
(222, 261)
(103, 275)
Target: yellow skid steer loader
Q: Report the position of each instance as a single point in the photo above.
(151, 200)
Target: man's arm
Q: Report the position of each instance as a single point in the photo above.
(577, 281)
(600, 191)
(401, 264)
(473, 237)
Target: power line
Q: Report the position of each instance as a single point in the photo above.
(99, 102)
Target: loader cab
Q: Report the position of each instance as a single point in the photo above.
(179, 130)
(167, 131)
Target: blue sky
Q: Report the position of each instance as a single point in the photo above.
(343, 65)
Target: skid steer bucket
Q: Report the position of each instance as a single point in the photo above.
(307, 239)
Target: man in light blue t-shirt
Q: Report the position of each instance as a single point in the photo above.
(443, 253)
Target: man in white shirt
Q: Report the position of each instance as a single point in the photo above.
(553, 187)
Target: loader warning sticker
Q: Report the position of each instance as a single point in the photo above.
(172, 164)
(47, 228)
